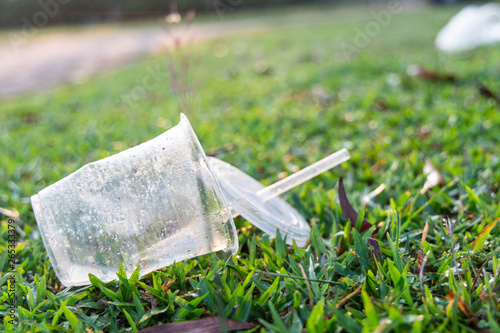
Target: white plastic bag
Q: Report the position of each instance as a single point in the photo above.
(473, 26)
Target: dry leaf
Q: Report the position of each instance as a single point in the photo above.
(462, 306)
(9, 213)
(374, 168)
(167, 285)
(419, 263)
(348, 297)
(434, 177)
(347, 209)
(486, 92)
(204, 325)
(415, 70)
(381, 105)
(311, 302)
(422, 260)
(424, 234)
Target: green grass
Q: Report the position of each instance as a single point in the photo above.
(288, 99)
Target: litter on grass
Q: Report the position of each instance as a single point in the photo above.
(160, 202)
(473, 26)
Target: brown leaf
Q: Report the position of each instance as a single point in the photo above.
(9, 213)
(422, 260)
(311, 302)
(204, 325)
(381, 105)
(424, 234)
(348, 297)
(374, 168)
(419, 263)
(486, 92)
(167, 285)
(415, 70)
(462, 306)
(228, 147)
(347, 209)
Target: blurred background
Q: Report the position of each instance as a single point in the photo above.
(62, 41)
(93, 11)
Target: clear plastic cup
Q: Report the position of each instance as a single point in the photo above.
(151, 205)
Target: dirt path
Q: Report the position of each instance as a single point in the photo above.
(56, 58)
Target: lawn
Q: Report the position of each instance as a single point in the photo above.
(268, 103)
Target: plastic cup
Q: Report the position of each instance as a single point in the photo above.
(151, 205)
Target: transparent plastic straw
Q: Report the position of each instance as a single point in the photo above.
(301, 176)
(304, 175)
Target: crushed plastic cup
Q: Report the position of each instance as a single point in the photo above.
(148, 206)
(158, 203)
